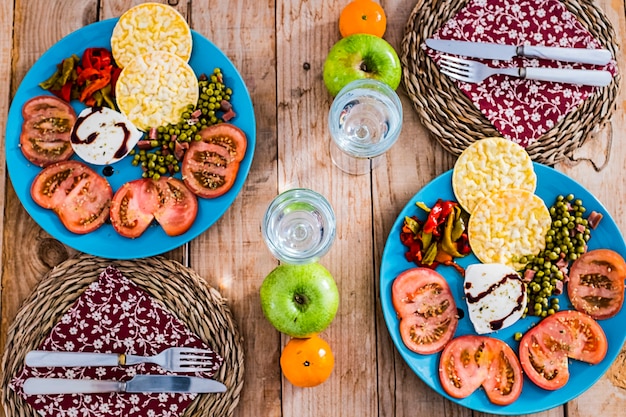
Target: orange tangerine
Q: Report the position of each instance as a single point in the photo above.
(363, 16)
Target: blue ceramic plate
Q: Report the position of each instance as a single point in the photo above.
(533, 399)
(105, 242)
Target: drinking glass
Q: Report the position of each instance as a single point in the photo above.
(299, 226)
(365, 120)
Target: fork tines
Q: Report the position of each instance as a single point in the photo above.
(453, 66)
(196, 358)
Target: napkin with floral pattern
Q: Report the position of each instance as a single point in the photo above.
(522, 110)
(114, 315)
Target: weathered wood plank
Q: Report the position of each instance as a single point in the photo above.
(231, 255)
(606, 150)
(305, 33)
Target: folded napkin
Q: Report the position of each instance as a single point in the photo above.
(522, 110)
(114, 315)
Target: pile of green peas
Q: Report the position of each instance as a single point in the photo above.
(160, 158)
(566, 239)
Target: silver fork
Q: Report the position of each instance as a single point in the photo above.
(475, 72)
(176, 359)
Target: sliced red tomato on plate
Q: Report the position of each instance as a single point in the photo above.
(133, 207)
(426, 309)
(469, 362)
(77, 194)
(178, 206)
(210, 166)
(544, 350)
(46, 130)
(137, 203)
(596, 283)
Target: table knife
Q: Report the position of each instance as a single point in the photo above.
(139, 383)
(507, 52)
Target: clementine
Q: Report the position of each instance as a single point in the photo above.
(362, 16)
(307, 362)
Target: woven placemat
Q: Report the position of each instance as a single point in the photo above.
(453, 119)
(183, 292)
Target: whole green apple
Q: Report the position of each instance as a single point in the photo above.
(361, 56)
(299, 300)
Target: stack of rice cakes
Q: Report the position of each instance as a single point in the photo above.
(152, 44)
(494, 181)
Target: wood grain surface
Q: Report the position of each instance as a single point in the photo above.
(279, 48)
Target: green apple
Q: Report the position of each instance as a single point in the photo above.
(361, 56)
(299, 300)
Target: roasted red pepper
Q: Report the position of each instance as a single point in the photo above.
(439, 239)
(438, 215)
(90, 79)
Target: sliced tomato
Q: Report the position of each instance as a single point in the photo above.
(426, 308)
(505, 380)
(544, 349)
(178, 206)
(596, 283)
(210, 166)
(133, 207)
(469, 362)
(46, 130)
(77, 194)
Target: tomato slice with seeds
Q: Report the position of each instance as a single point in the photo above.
(426, 308)
(137, 203)
(46, 130)
(596, 283)
(77, 194)
(544, 350)
(178, 206)
(133, 207)
(210, 166)
(469, 362)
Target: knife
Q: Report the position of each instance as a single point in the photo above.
(507, 52)
(139, 383)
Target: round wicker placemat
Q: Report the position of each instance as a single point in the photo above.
(179, 289)
(453, 119)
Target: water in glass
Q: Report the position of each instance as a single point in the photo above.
(365, 120)
(299, 226)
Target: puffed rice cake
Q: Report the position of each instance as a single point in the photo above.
(155, 88)
(508, 224)
(489, 165)
(150, 27)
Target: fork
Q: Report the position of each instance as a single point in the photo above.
(475, 72)
(176, 359)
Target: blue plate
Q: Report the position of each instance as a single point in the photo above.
(533, 399)
(105, 242)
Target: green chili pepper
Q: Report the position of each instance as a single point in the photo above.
(447, 243)
(62, 74)
(426, 239)
(412, 224)
(459, 224)
(431, 253)
(423, 206)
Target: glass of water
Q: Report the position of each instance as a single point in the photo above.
(365, 120)
(299, 226)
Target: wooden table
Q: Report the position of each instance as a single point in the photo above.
(279, 48)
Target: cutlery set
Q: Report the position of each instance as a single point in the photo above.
(172, 359)
(474, 72)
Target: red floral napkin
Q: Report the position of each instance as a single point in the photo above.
(114, 315)
(522, 110)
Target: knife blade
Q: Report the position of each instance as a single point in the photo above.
(507, 52)
(139, 383)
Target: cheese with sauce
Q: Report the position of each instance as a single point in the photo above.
(495, 295)
(103, 136)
